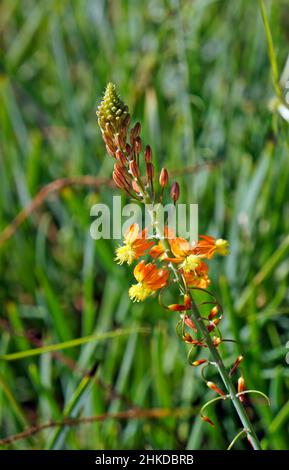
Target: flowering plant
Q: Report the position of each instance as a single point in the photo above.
(173, 260)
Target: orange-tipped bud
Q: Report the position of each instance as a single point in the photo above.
(120, 156)
(207, 420)
(216, 389)
(188, 339)
(199, 362)
(213, 324)
(137, 145)
(164, 178)
(189, 323)
(216, 341)
(187, 301)
(236, 364)
(148, 154)
(241, 388)
(175, 191)
(150, 171)
(176, 307)
(134, 168)
(214, 312)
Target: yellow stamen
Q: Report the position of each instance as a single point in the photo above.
(125, 254)
(222, 247)
(139, 292)
(190, 263)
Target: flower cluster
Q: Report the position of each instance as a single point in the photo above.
(126, 147)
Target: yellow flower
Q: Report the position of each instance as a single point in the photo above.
(150, 279)
(135, 244)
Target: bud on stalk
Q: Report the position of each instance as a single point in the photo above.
(164, 178)
(134, 169)
(137, 145)
(216, 389)
(120, 156)
(148, 154)
(175, 192)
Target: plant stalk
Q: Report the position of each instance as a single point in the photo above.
(239, 407)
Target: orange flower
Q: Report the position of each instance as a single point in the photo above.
(199, 277)
(135, 244)
(184, 254)
(150, 279)
(208, 246)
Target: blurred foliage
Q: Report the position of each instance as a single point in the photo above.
(197, 75)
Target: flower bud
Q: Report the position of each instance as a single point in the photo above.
(189, 323)
(137, 144)
(134, 168)
(148, 154)
(150, 171)
(241, 388)
(236, 364)
(164, 178)
(199, 362)
(128, 150)
(120, 156)
(207, 420)
(175, 191)
(137, 129)
(216, 389)
(214, 312)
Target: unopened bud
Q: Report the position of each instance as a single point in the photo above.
(216, 389)
(175, 191)
(216, 341)
(119, 140)
(135, 186)
(188, 339)
(189, 323)
(134, 168)
(120, 156)
(164, 178)
(148, 154)
(236, 364)
(199, 362)
(137, 129)
(241, 388)
(128, 150)
(137, 144)
(214, 312)
(150, 171)
(207, 420)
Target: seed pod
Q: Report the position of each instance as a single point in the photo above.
(148, 154)
(175, 191)
(164, 178)
(134, 168)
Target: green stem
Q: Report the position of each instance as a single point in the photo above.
(214, 352)
(225, 377)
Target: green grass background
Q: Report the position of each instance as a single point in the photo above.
(197, 75)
